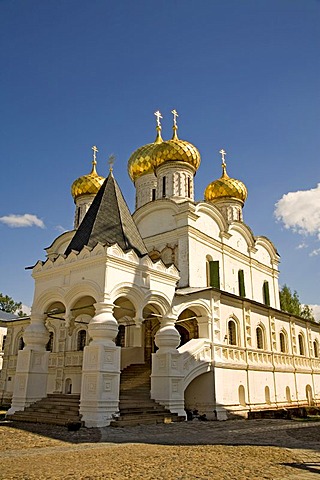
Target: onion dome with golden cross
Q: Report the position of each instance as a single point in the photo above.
(176, 150)
(88, 184)
(140, 162)
(225, 187)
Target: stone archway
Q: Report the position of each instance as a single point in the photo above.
(151, 325)
(124, 312)
(187, 326)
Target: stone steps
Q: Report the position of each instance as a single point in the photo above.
(55, 409)
(136, 407)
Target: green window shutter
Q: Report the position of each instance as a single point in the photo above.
(266, 294)
(242, 290)
(214, 274)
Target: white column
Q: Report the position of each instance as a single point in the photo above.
(30, 382)
(167, 377)
(101, 369)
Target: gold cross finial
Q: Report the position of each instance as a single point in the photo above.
(223, 154)
(111, 160)
(175, 115)
(95, 150)
(158, 115)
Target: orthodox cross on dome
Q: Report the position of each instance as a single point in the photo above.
(111, 160)
(95, 150)
(158, 115)
(175, 115)
(223, 154)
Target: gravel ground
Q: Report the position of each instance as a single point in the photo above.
(255, 450)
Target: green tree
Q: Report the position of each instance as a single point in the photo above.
(8, 305)
(290, 302)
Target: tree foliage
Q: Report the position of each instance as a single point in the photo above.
(290, 302)
(8, 305)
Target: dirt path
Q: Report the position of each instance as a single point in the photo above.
(255, 450)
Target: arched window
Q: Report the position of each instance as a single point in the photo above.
(232, 332)
(20, 343)
(242, 395)
(316, 348)
(283, 342)
(260, 338)
(267, 394)
(301, 344)
(81, 340)
(49, 346)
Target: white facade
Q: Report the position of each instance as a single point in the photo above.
(219, 344)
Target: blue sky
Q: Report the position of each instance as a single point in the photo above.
(244, 75)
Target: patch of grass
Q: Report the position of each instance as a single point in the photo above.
(309, 418)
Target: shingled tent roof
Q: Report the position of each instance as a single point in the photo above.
(108, 221)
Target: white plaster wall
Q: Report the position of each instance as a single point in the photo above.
(258, 319)
(235, 312)
(200, 394)
(262, 255)
(208, 225)
(162, 220)
(197, 262)
(283, 380)
(238, 242)
(304, 379)
(316, 384)
(227, 383)
(258, 380)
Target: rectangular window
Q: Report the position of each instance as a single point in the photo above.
(153, 194)
(189, 187)
(266, 294)
(214, 274)
(163, 186)
(242, 290)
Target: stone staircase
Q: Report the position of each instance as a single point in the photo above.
(136, 407)
(55, 409)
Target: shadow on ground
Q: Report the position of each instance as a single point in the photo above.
(277, 433)
(84, 435)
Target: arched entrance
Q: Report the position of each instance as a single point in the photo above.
(124, 312)
(151, 325)
(187, 326)
(68, 386)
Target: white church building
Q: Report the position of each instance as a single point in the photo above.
(173, 308)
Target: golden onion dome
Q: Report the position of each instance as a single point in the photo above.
(176, 150)
(141, 160)
(87, 184)
(226, 187)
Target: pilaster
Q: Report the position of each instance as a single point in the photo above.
(167, 378)
(101, 370)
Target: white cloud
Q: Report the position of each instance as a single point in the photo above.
(19, 221)
(300, 211)
(26, 309)
(301, 245)
(315, 252)
(60, 229)
(316, 312)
